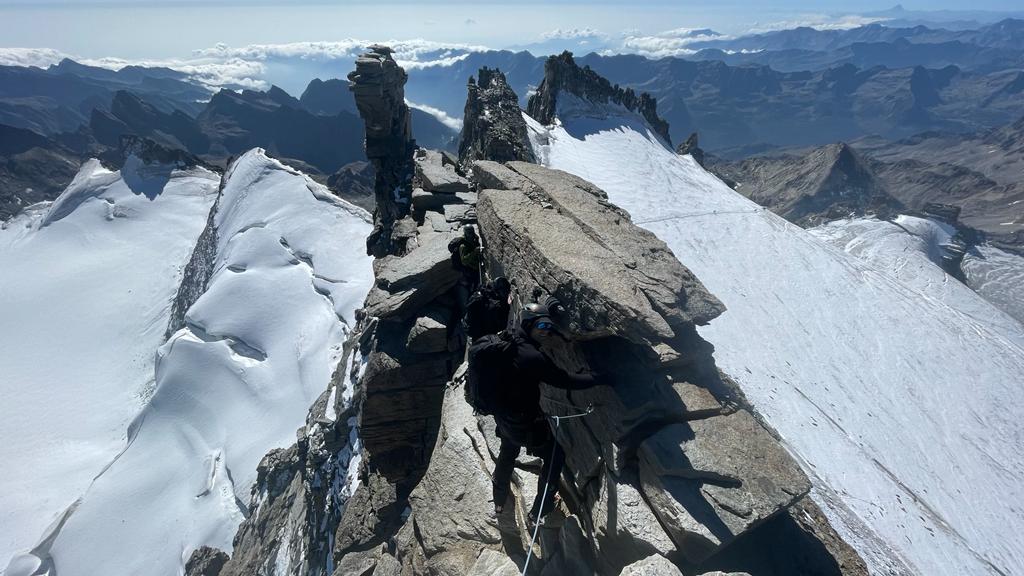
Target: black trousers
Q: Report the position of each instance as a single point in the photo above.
(553, 458)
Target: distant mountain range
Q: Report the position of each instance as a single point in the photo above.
(978, 173)
(62, 97)
(735, 107)
(1007, 34)
(994, 47)
(757, 94)
(52, 120)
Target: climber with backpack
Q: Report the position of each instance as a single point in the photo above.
(466, 256)
(505, 372)
(487, 308)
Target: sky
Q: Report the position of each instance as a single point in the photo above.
(174, 28)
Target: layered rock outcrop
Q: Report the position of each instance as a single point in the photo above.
(493, 127)
(378, 84)
(562, 74)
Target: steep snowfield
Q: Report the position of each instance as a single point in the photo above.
(901, 398)
(910, 249)
(258, 346)
(86, 285)
(998, 276)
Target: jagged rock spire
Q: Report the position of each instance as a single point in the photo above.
(378, 84)
(692, 147)
(562, 73)
(493, 127)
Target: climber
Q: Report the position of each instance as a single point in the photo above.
(466, 257)
(520, 422)
(488, 307)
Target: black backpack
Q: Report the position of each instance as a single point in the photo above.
(486, 312)
(490, 358)
(456, 258)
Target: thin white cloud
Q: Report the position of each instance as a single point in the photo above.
(415, 50)
(247, 66)
(441, 115)
(673, 42)
(39, 57)
(210, 72)
(571, 34)
(818, 22)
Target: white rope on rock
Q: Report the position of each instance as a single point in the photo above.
(547, 481)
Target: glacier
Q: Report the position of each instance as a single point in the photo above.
(85, 295)
(898, 392)
(256, 347)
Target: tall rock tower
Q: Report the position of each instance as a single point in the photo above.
(493, 127)
(378, 83)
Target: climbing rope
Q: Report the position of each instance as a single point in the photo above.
(547, 480)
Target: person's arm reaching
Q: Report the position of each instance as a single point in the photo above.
(555, 376)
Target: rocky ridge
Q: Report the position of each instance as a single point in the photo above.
(493, 128)
(668, 467)
(562, 73)
(692, 147)
(830, 182)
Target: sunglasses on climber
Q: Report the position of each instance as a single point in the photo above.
(543, 325)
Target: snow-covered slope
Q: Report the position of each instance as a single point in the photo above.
(86, 285)
(902, 401)
(911, 250)
(998, 276)
(258, 346)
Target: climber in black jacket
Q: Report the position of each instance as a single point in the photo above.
(521, 422)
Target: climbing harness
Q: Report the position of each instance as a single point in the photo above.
(547, 480)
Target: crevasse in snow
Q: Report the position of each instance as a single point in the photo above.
(258, 346)
(901, 397)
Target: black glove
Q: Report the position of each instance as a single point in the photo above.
(555, 308)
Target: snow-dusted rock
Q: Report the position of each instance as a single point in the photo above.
(998, 277)
(493, 127)
(206, 561)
